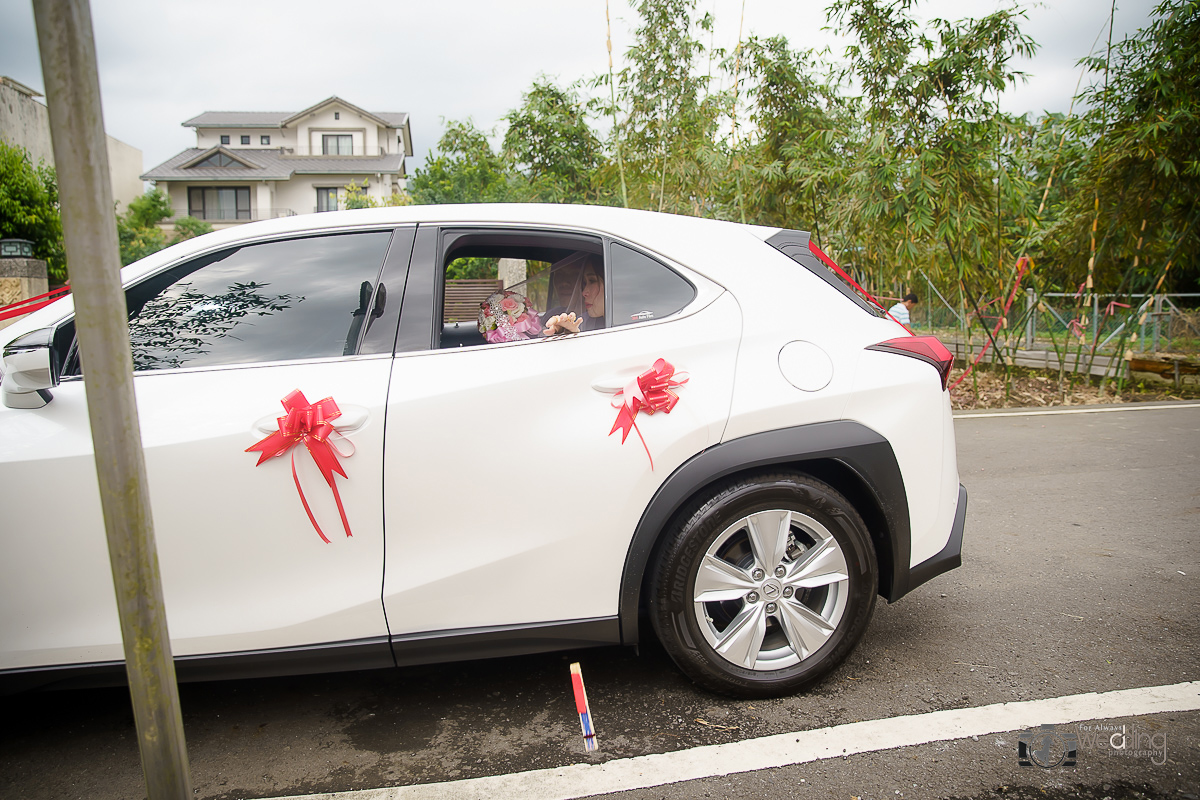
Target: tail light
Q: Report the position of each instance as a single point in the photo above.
(923, 348)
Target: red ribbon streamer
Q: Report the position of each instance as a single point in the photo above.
(1023, 263)
(827, 261)
(649, 392)
(29, 305)
(308, 423)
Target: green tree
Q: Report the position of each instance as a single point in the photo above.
(465, 170)
(919, 164)
(29, 207)
(549, 141)
(138, 231)
(783, 181)
(357, 197)
(1141, 176)
(669, 130)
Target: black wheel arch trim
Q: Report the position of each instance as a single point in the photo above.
(950, 556)
(846, 449)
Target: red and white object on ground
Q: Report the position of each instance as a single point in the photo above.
(581, 705)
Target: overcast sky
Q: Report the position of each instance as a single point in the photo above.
(164, 61)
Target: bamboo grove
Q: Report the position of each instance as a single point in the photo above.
(896, 154)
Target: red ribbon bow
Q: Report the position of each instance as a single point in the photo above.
(650, 392)
(309, 423)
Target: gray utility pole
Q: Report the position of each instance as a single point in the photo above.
(68, 51)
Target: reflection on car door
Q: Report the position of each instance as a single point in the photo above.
(507, 501)
(242, 567)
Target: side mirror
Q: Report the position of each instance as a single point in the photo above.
(31, 369)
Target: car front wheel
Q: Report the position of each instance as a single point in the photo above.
(766, 587)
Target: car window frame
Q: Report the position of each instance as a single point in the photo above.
(420, 321)
(394, 267)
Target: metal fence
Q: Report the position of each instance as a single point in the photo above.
(1141, 323)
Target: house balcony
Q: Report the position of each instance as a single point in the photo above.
(331, 152)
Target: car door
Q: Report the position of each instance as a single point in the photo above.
(508, 503)
(219, 341)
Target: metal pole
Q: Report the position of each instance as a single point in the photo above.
(1142, 335)
(1030, 320)
(1157, 320)
(68, 53)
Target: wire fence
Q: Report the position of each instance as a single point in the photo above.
(1103, 323)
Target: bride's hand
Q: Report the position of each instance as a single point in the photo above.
(562, 323)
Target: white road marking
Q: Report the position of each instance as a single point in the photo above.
(622, 774)
(1050, 412)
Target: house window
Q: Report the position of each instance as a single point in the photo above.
(337, 144)
(337, 115)
(264, 140)
(327, 198)
(219, 203)
(217, 160)
(224, 138)
(245, 140)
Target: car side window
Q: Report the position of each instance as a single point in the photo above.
(505, 286)
(644, 288)
(275, 301)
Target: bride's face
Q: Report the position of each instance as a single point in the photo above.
(593, 293)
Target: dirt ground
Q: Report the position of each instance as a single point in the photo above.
(986, 387)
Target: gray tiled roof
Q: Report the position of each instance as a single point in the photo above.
(398, 119)
(272, 165)
(238, 119)
(270, 119)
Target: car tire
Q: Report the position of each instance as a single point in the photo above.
(765, 587)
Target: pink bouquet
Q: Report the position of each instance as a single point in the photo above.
(507, 317)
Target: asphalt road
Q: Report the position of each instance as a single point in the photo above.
(1081, 559)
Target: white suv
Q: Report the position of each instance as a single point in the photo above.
(780, 454)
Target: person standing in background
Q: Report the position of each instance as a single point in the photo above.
(900, 311)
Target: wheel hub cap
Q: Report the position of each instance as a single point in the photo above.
(771, 589)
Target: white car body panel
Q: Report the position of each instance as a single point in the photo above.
(487, 530)
(242, 566)
(902, 399)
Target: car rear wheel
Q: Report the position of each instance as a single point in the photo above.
(765, 587)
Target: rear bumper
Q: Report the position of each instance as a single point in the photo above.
(950, 556)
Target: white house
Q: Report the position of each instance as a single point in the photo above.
(250, 165)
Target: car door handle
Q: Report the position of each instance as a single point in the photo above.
(611, 384)
(352, 418)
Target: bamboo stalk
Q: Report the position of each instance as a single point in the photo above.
(612, 88)
(737, 78)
